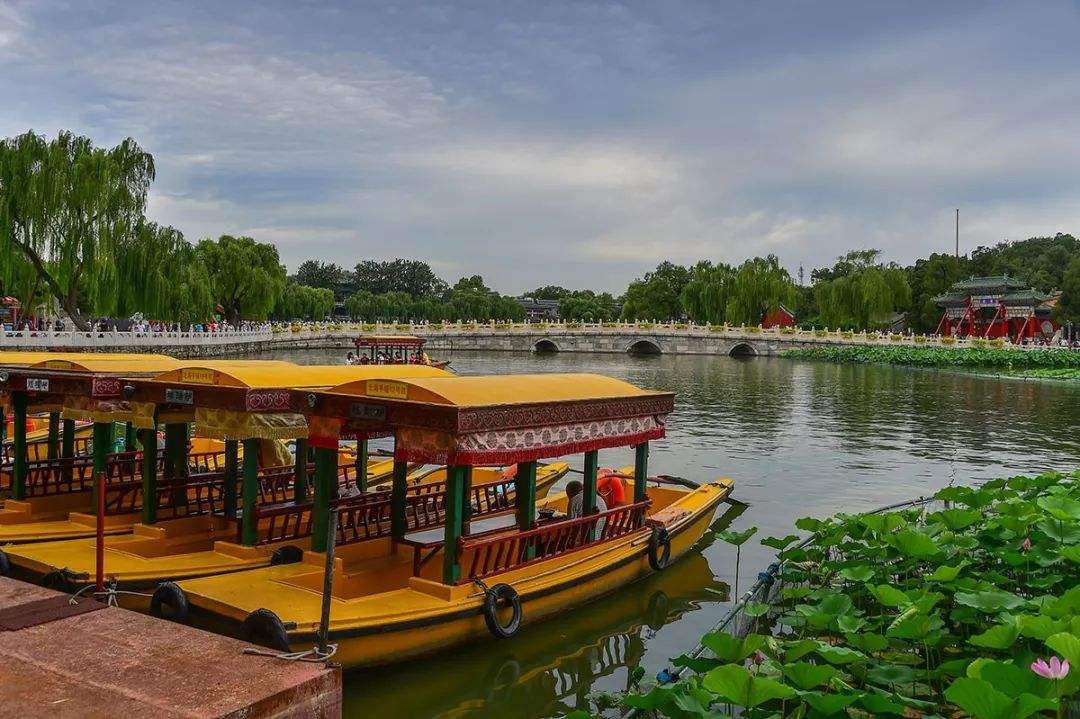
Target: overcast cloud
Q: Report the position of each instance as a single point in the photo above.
(578, 143)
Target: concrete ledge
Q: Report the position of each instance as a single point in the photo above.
(115, 662)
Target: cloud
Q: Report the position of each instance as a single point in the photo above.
(571, 143)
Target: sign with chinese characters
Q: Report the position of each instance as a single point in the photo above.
(197, 376)
(369, 412)
(179, 396)
(34, 384)
(390, 390)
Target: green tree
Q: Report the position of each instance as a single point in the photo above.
(588, 306)
(1069, 305)
(411, 276)
(162, 276)
(760, 285)
(929, 278)
(246, 276)
(361, 305)
(865, 294)
(66, 209)
(303, 302)
(707, 294)
(656, 296)
(328, 275)
(549, 292)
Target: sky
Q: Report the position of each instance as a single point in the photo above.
(574, 143)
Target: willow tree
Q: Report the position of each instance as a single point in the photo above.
(163, 277)
(864, 295)
(705, 297)
(246, 276)
(759, 286)
(66, 209)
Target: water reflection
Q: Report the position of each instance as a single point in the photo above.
(799, 438)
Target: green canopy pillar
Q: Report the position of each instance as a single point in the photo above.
(361, 464)
(399, 525)
(18, 482)
(67, 449)
(176, 460)
(249, 533)
(54, 435)
(588, 500)
(149, 475)
(129, 437)
(641, 471)
(525, 501)
(232, 467)
(300, 478)
(457, 478)
(326, 464)
(103, 439)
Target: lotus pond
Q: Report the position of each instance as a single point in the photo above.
(966, 607)
(1045, 363)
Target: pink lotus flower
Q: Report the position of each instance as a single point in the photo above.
(759, 658)
(1055, 669)
(1025, 546)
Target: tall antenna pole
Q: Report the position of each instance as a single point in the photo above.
(957, 233)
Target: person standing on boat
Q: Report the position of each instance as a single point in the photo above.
(575, 502)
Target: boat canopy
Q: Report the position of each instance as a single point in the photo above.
(493, 419)
(246, 399)
(389, 341)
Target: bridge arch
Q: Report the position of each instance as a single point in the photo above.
(644, 346)
(742, 349)
(545, 345)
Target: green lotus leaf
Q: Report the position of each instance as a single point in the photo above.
(1001, 636)
(734, 683)
(860, 573)
(736, 538)
(1066, 532)
(914, 544)
(755, 609)
(867, 641)
(981, 700)
(828, 704)
(850, 623)
(990, 601)
(1013, 680)
(1067, 645)
(889, 595)
(838, 655)
(945, 573)
(878, 704)
(957, 519)
(730, 649)
(807, 676)
(1038, 626)
(1071, 553)
(882, 523)
(779, 543)
(1061, 508)
(890, 674)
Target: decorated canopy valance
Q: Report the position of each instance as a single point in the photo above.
(491, 420)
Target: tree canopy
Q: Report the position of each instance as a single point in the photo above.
(246, 276)
(303, 302)
(413, 277)
(327, 275)
(67, 208)
(862, 294)
(656, 296)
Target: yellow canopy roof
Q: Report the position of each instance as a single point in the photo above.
(28, 358)
(495, 389)
(116, 364)
(263, 375)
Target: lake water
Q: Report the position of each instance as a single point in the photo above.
(798, 438)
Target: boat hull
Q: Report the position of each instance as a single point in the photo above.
(442, 617)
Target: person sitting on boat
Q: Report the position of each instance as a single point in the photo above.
(349, 359)
(575, 503)
(609, 485)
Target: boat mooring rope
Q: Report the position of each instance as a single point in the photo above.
(313, 655)
(108, 595)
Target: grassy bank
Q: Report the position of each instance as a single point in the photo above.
(917, 613)
(1031, 363)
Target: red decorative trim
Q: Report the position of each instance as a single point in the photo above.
(272, 400)
(105, 387)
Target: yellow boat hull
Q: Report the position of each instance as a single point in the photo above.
(418, 616)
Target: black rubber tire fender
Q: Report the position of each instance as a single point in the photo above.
(266, 628)
(289, 554)
(57, 580)
(5, 564)
(169, 602)
(659, 548)
(492, 598)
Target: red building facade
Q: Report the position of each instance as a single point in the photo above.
(996, 307)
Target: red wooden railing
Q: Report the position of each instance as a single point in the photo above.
(496, 554)
(82, 447)
(367, 515)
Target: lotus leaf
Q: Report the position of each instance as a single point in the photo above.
(1001, 636)
(734, 683)
(736, 538)
(807, 676)
(729, 649)
(990, 601)
(981, 700)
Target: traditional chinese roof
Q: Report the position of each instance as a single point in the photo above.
(988, 285)
(951, 299)
(389, 341)
(492, 419)
(221, 397)
(1025, 297)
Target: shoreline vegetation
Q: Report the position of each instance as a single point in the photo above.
(1035, 364)
(969, 606)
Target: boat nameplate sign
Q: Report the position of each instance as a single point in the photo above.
(389, 390)
(371, 412)
(36, 384)
(179, 396)
(196, 375)
(57, 364)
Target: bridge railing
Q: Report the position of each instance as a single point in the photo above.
(109, 338)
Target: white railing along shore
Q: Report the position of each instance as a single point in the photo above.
(287, 333)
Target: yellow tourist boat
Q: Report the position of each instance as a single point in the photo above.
(209, 523)
(408, 590)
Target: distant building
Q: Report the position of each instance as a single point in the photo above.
(539, 309)
(996, 307)
(781, 317)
